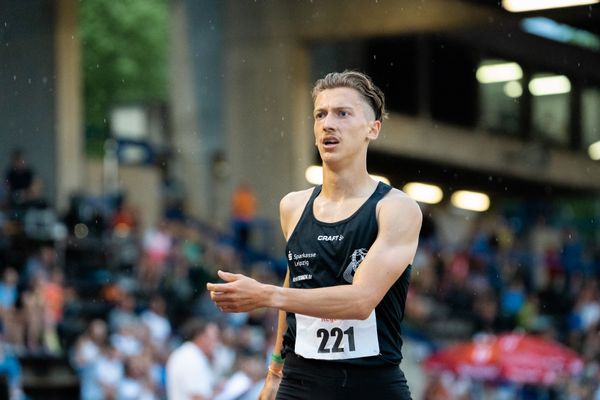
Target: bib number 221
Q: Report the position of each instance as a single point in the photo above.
(338, 339)
(337, 336)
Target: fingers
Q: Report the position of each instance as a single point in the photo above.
(219, 287)
(222, 298)
(223, 287)
(225, 302)
(228, 276)
(226, 295)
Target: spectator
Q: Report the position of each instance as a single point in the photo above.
(247, 381)
(109, 372)
(158, 244)
(36, 197)
(156, 321)
(528, 316)
(54, 300)
(436, 389)
(511, 301)
(39, 264)
(136, 383)
(19, 177)
(35, 314)
(128, 339)
(571, 256)
(124, 222)
(585, 314)
(485, 309)
(243, 210)
(10, 367)
(86, 354)
(11, 320)
(190, 374)
(123, 313)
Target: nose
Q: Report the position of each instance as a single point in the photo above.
(327, 123)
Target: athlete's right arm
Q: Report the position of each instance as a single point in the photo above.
(290, 209)
(274, 373)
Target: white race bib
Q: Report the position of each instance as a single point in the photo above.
(336, 339)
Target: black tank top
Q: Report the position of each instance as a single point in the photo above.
(324, 254)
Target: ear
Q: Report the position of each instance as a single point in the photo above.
(374, 129)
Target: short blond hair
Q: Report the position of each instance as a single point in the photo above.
(357, 81)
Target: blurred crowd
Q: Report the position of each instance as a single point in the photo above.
(119, 302)
(533, 273)
(116, 300)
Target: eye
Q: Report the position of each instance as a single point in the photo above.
(319, 115)
(343, 113)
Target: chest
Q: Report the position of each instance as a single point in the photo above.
(321, 254)
(330, 212)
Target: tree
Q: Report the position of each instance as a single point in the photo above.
(124, 58)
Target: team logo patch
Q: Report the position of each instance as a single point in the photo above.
(357, 257)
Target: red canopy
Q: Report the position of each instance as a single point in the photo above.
(515, 357)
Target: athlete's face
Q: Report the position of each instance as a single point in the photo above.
(344, 123)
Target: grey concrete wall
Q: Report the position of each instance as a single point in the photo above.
(188, 165)
(196, 92)
(40, 97)
(249, 102)
(28, 85)
(268, 111)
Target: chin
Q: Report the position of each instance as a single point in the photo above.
(330, 153)
(331, 162)
(328, 157)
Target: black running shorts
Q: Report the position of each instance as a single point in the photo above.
(306, 379)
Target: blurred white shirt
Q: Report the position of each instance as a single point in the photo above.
(189, 373)
(159, 326)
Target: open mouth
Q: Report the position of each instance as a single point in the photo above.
(330, 141)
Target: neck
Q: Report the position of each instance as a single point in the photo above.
(345, 183)
(198, 344)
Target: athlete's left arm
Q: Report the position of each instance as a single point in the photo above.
(399, 219)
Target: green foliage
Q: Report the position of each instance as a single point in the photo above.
(124, 51)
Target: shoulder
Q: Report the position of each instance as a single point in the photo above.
(293, 201)
(290, 209)
(187, 352)
(399, 208)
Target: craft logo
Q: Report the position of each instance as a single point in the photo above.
(333, 238)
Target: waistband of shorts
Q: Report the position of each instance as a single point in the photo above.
(335, 368)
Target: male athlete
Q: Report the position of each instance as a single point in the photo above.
(350, 243)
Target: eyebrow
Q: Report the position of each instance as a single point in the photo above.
(334, 108)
